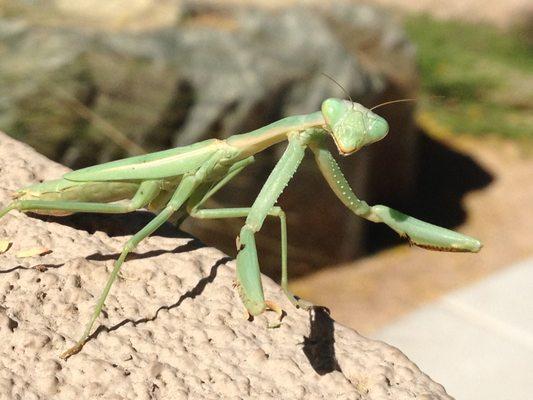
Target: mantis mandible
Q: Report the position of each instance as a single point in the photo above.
(183, 178)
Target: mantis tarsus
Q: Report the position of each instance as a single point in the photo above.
(183, 178)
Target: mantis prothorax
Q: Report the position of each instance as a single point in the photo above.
(184, 178)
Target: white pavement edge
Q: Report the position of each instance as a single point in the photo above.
(477, 341)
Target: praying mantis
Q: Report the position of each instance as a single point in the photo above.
(182, 179)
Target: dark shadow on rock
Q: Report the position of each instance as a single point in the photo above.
(190, 294)
(445, 176)
(38, 267)
(114, 224)
(319, 346)
(191, 245)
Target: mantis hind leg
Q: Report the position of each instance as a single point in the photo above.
(186, 187)
(7, 209)
(182, 193)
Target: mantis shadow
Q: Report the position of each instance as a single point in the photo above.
(190, 294)
(319, 346)
(124, 225)
(39, 267)
(114, 224)
(191, 245)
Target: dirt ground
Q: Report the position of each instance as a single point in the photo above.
(500, 13)
(370, 293)
(497, 12)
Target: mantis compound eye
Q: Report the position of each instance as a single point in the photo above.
(377, 129)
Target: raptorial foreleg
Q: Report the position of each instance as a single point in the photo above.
(418, 232)
(248, 272)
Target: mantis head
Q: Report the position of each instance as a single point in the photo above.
(352, 125)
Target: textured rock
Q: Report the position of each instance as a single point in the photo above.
(173, 326)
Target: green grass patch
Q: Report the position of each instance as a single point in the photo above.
(481, 75)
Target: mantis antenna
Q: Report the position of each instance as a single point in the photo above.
(338, 84)
(350, 97)
(391, 102)
(405, 100)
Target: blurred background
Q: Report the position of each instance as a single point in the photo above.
(87, 82)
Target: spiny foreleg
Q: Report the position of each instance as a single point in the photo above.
(418, 232)
(248, 272)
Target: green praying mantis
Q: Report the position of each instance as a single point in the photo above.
(183, 178)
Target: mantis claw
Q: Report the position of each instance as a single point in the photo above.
(73, 350)
(298, 302)
(278, 310)
(304, 304)
(423, 234)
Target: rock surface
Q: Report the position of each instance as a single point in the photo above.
(173, 326)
